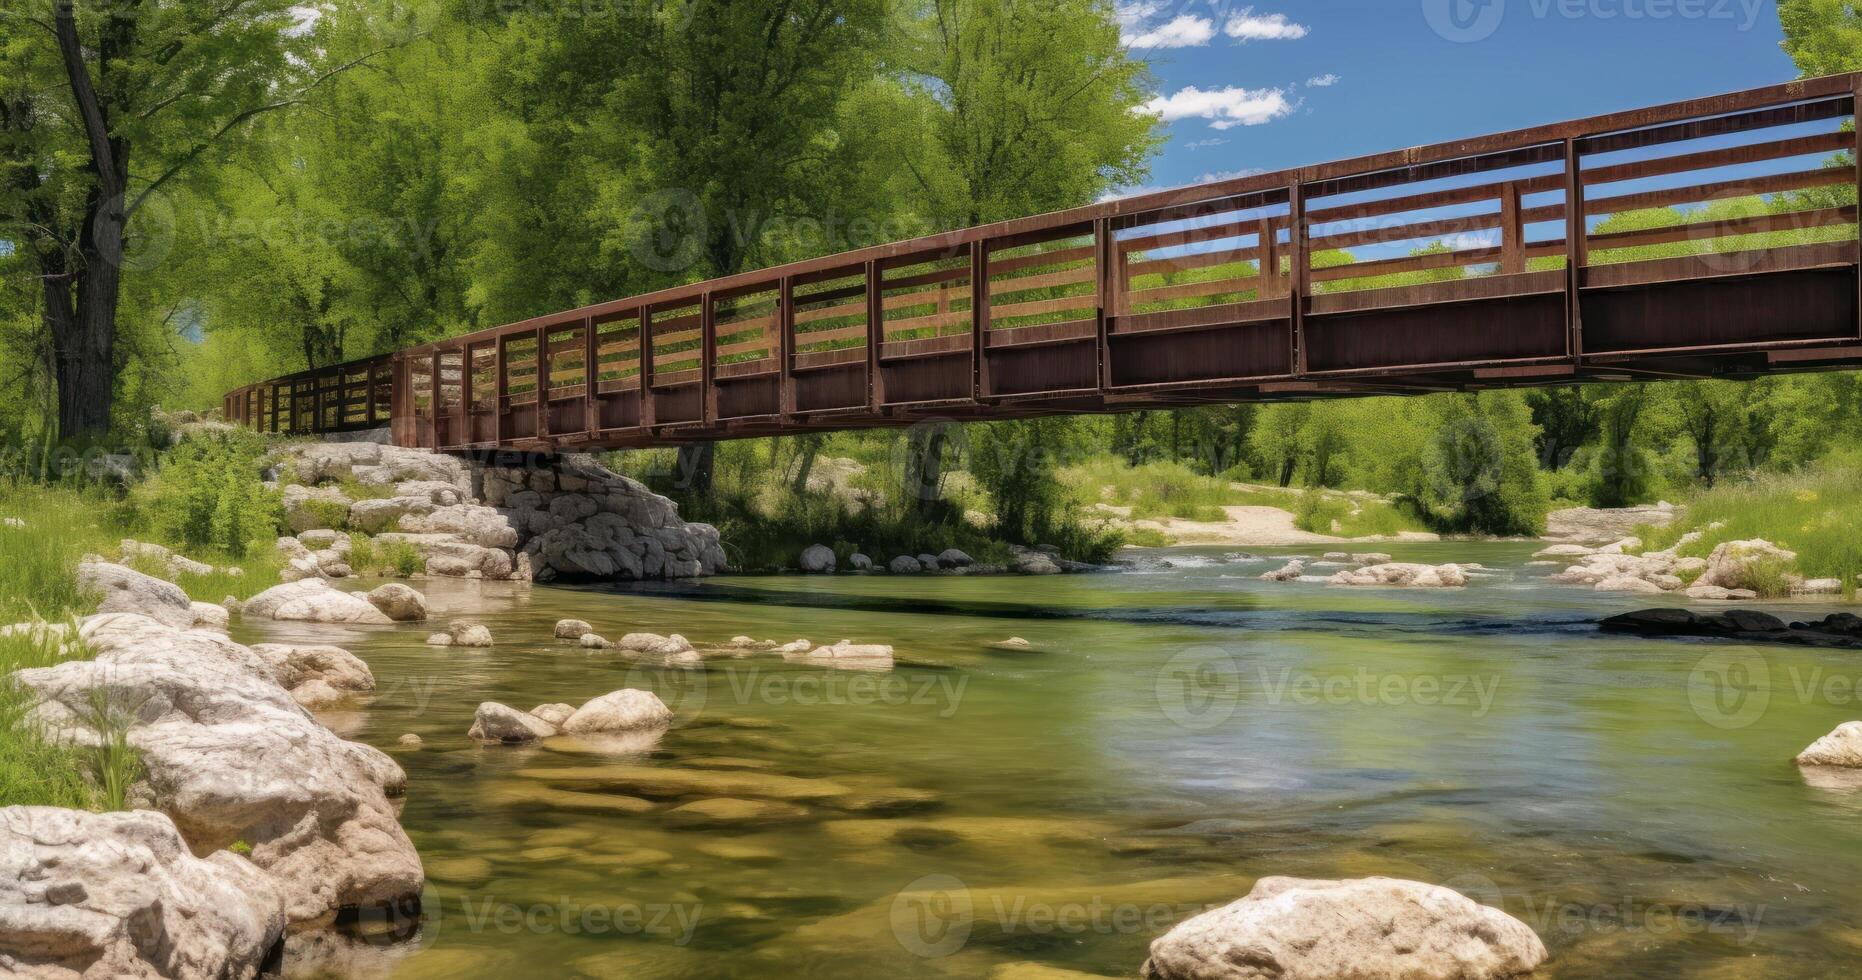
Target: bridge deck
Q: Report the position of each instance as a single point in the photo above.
(1516, 259)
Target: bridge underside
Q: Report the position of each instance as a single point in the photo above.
(1715, 238)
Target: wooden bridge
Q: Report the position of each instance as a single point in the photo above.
(1525, 258)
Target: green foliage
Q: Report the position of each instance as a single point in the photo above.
(38, 563)
(1816, 513)
(37, 768)
(1824, 37)
(207, 494)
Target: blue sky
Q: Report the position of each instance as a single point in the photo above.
(1273, 85)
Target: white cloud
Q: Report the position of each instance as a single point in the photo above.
(1186, 31)
(1201, 144)
(1133, 15)
(1326, 80)
(1225, 108)
(1466, 241)
(1221, 175)
(1249, 26)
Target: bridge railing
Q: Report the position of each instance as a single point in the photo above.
(1714, 225)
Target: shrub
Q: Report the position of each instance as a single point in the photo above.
(207, 494)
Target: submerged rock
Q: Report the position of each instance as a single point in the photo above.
(399, 603)
(494, 722)
(1841, 747)
(317, 675)
(725, 812)
(1403, 575)
(469, 634)
(845, 655)
(554, 714)
(1842, 630)
(620, 711)
(120, 895)
(1302, 929)
(572, 629)
(314, 601)
(1290, 572)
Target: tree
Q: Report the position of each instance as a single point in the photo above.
(1824, 37)
(1031, 105)
(1276, 439)
(153, 90)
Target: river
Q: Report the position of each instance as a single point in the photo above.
(1172, 735)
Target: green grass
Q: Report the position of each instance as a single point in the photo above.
(39, 771)
(1160, 490)
(1816, 513)
(38, 563)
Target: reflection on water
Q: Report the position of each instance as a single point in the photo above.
(1168, 737)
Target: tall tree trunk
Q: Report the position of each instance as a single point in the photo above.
(697, 467)
(85, 340)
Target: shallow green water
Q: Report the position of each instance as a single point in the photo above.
(1175, 735)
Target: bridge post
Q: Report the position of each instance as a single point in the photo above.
(1855, 110)
(501, 379)
(1105, 256)
(707, 359)
(1268, 262)
(1576, 249)
(979, 319)
(647, 415)
(875, 334)
(1301, 255)
(785, 341)
(436, 399)
(591, 379)
(543, 382)
(1512, 231)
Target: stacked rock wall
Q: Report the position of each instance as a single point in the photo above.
(550, 517)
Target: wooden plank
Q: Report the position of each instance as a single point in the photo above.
(1196, 290)
(1730, 156)
(1041, 307)
(1068, 277)
(1066, 331)
(1702, 193)
(1190, 263)
(1437, 293)
(1721, 264)
(1707, 230)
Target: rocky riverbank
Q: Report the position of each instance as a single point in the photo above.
(558, 517)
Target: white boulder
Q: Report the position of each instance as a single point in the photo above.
(105, 895)
(494, 722)
(620, 711)
(313, 600)
(1841, 747)
(1404, 575)
(572, 629)
(399, 602)
(230, 756)
(125, 590)
(1384, 928)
